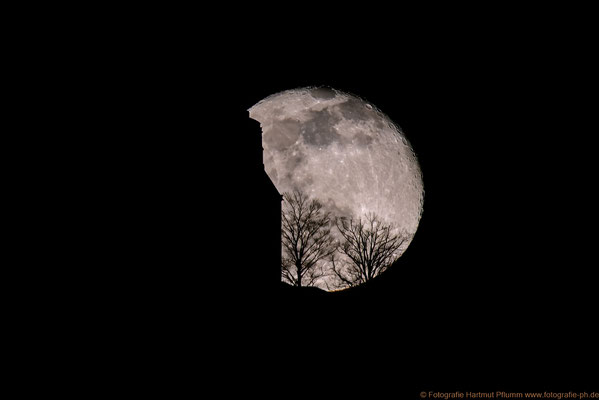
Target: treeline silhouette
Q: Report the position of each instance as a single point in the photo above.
(333, 252)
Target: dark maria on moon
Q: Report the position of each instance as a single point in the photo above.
(343, 151)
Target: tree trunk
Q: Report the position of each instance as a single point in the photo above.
(298, 265)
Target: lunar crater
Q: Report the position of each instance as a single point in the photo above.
(355, 109)
(323, 93)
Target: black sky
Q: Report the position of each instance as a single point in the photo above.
(497, 254)
(496, 276)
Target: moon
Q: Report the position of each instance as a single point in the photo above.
(342, 150)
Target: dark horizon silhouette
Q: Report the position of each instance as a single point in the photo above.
(262, 215)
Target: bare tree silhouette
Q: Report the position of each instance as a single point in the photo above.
(306, 238)
(369, 247)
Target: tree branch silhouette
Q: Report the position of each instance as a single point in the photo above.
(306, 238)
(369, 247)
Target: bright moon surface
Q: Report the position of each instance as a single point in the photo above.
(343, 151)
